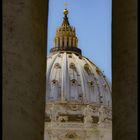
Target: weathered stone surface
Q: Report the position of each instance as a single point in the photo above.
(124, 90)
(24, 65)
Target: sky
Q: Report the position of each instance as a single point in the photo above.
(92, 20)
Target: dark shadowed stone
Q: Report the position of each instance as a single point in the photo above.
(24, 66)
(124, 90)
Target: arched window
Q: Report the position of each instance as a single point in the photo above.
(87, 69)
(98, 71)
(72, 66)
(57, 66)
(73, 82)
(91, 83)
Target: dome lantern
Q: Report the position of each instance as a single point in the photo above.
(66, 39)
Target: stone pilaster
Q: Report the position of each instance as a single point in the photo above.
(24, 68)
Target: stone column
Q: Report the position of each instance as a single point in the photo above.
(124, 41)
(61, 41)
(65, 41)
(69, 41)
(24, 68)
(56, 41)
(74, 42)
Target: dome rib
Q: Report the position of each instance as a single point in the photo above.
(102, 79)
(81, 77)
(64, 75)
(49, 65)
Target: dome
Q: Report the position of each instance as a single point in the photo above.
(72, 77)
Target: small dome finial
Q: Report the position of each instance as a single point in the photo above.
(65, 12)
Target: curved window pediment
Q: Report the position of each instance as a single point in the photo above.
(72, 66)
(87, 69)
(57, 66)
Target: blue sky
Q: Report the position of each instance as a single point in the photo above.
(92, 20)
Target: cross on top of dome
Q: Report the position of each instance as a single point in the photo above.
(65, 10)
(65, 19)
(65, 4)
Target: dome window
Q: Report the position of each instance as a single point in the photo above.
(57, 66)
(78, 74)
(77, 54)
(73, 81)
(54, 82)
(80, 96)
(70, 56)
(87, 69)
(101, 96)
(91, 83)
(59, 55)
(98, 71)
(72, 66)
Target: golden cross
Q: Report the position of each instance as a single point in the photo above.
(65, 4)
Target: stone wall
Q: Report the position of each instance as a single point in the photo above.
(24, 66)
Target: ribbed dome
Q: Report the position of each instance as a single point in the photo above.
(73, 78)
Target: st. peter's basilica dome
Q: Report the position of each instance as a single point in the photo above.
(72, 77)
